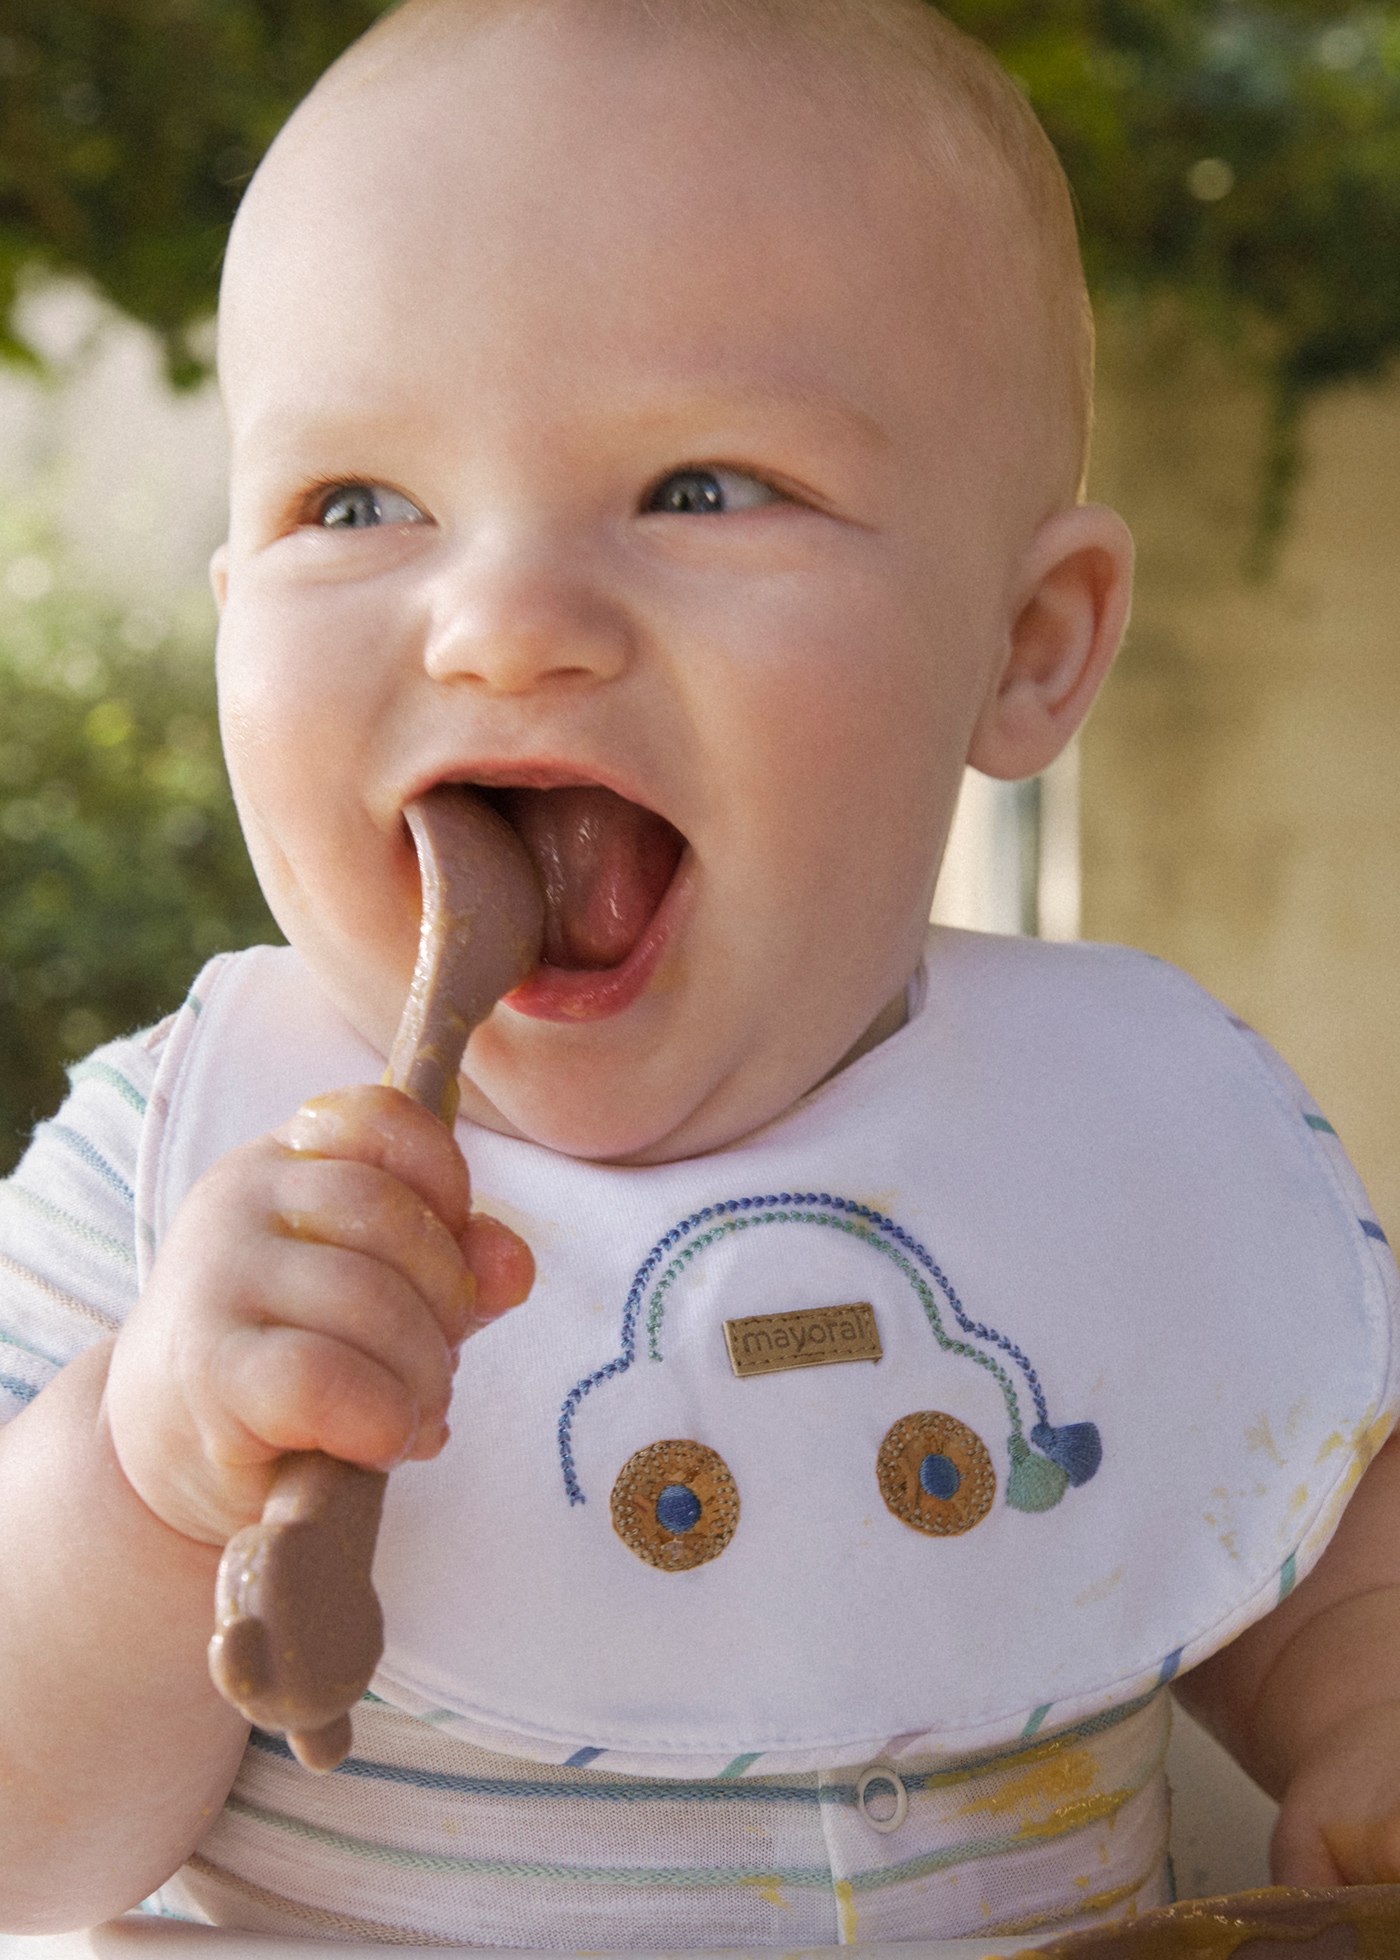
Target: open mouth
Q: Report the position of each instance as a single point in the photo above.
(604, 864)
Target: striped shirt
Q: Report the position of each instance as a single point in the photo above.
(421, 1837)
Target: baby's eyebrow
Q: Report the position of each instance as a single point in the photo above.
(740, 422)
(282, 433)
(802, 406)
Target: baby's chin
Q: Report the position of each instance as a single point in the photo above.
(601, 1113)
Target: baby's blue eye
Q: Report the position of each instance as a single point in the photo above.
(359, 506)
(709, 493)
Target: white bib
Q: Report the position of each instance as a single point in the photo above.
(1135, 1322)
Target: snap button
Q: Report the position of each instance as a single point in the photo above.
(882, 1779)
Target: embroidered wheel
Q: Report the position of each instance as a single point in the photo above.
(935, 1474)
(675, 1504)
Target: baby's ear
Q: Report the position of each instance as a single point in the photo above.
(1070, 612)
(218, 574)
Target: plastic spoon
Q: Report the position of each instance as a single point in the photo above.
(299, 1629)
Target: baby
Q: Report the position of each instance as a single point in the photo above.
(670, 419)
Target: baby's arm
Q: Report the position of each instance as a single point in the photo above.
(310, 1294)
(1308, 1699)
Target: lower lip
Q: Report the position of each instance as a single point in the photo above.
(559, 993)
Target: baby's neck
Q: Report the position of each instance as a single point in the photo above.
(888, 1021)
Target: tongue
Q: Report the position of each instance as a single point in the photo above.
(604, 864)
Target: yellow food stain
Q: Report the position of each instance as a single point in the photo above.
(1366, 1439)
(1333, 1443)
(770, 1889)
(1261, 1437)
(1298, 1499)
(540, 1234)
(1040, 1752)
(846, 1910)
(1369, 1438)
(1058, 1783)
(1101, 1902)
(1228, 1541)
(1100, 1590)
(1293, 1421)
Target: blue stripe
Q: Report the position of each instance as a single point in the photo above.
(707, 1790)
(81, 1147)
(1373, 1230)
(1319, 1123)
(1169, 1667)
(22, 1391)
(581, 1758)
(643, 1790)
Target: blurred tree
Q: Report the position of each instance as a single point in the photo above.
(127, 130)
(1244, 152)
(121, 863)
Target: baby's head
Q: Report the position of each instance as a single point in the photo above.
(671, 417)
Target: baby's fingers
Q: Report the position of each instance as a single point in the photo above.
(1367, 1854)
(380, 1127)
(291, 1388)
(1298, 1853)
(1340, 1819)
(357, 1208)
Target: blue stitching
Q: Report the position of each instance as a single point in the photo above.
(832, 1220)
(623, 1361)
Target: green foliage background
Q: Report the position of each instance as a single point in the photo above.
(128, 128)
(1243, 155)
(122, 867)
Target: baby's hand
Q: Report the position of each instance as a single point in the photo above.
(1340, 1819)
(311, 1294)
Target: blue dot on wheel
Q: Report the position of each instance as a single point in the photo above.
(677, 1509)
(938, 1475)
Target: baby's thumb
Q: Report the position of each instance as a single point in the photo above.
(500, 1262)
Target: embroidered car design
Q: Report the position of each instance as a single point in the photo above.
(675, 1502)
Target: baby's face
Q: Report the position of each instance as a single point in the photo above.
(621, 418)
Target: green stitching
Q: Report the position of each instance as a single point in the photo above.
(628, 1875)
(79, 1227)
(657, 1307)
(104, 1072)
(680, 1877)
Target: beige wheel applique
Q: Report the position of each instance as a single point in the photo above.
(935, 1474)
(675, 1504)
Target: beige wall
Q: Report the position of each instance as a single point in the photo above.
(1241, 774)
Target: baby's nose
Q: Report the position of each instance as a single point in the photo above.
(514, 617)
